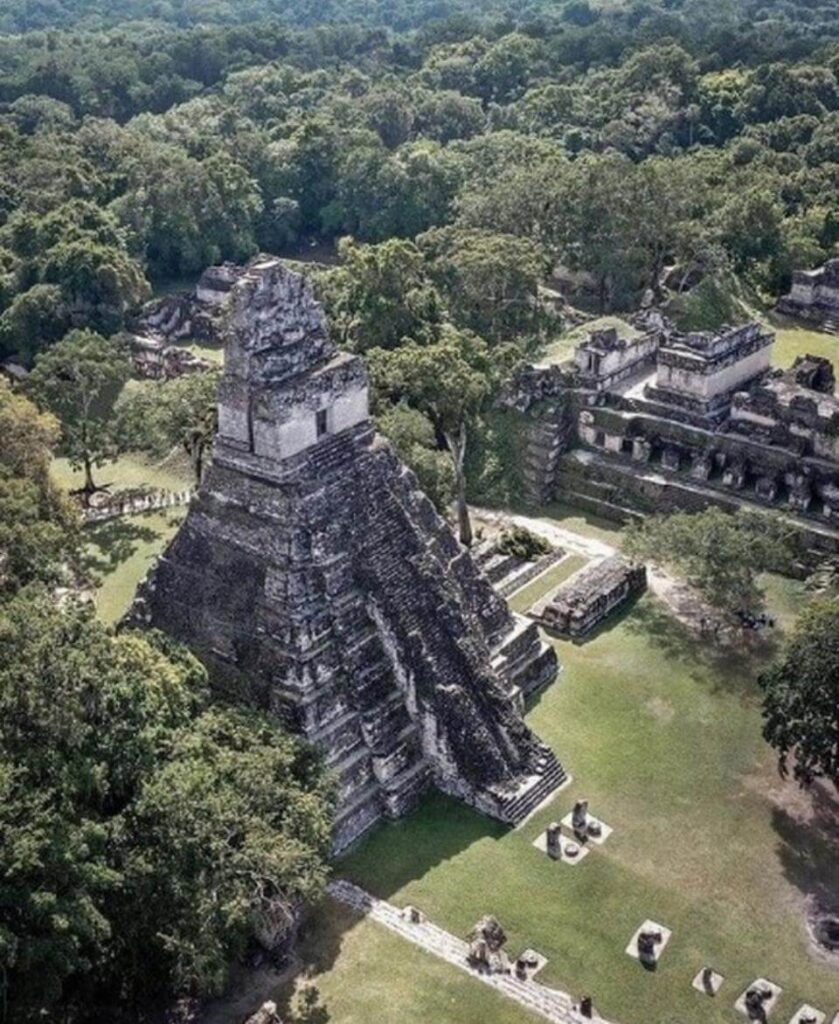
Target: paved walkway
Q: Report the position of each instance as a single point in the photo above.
(550, 1003)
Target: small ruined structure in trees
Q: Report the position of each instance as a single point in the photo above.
(814, 297)
(183, 316)
(315, 579)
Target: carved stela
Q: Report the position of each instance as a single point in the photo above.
(315, 579)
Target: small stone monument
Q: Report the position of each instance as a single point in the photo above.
(579, 818)
(807, 1014)
(554, 840)
(486, 941)
(759, 999)
(587, 1007)
(529, 963)
(413, 915)
(648, 943)
(708, 981)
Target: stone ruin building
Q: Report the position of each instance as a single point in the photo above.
(670, 421)
(606, 359)
(814, 297)
(314, 578)
(590, 596)
(163, 323)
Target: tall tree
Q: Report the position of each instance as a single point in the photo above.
(412, 434)
(490, 280)
(79, 380)
(145, 834)
(36, 319)
(449, 381)
(719, 553)
(38, 535)
(380, 295)
(179, 413)
(801, 696)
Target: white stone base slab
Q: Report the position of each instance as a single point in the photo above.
(605, 832)
(714, 983)
(541, 843)
(650, 926)
(770, 1003)
(807, 1012)
(531, 972)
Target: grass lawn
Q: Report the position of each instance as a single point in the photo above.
(524, 599)
(132, 470)
(662, 734)
(119, 552)
(212, 353)
(360, 973)
(791, 341)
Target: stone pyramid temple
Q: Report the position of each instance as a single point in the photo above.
(314, 578)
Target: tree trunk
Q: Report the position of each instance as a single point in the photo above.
(603, 294)
(457, 447)
(89, 484)
(198, 463)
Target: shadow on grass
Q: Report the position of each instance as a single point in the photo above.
(809, 850)
(388, 858)
(731, 664)
(319, 943)
(112, 543)
(398, 852)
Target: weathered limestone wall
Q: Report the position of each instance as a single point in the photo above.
(604, 360)
(709, 385)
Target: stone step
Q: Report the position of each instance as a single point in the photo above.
(517, 809)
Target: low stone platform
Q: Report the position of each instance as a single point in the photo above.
(531, 963)
(590, 596)
(807, 1014)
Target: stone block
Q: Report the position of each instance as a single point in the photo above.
(528, 964)
(806, 1014)
(598, 840)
